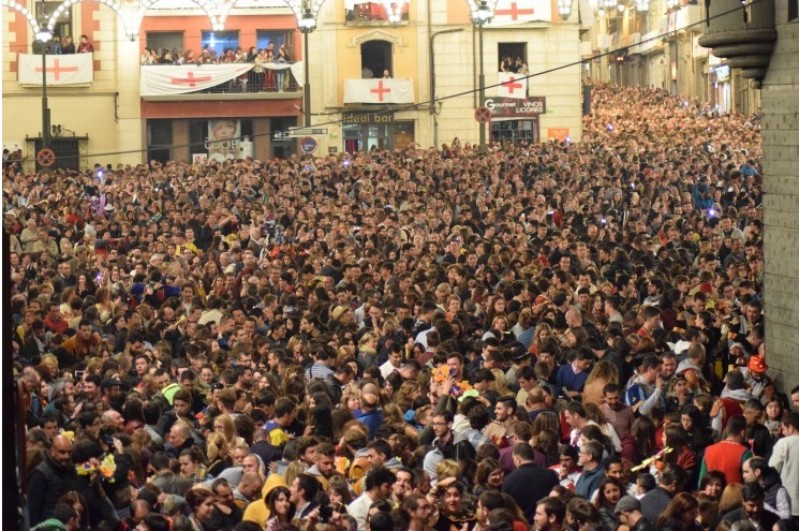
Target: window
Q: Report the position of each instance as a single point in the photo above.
(63, 27)
(168, 40)
(369, 13)
(376, 56)
(511, 56)
(277, 37)
(219, 41)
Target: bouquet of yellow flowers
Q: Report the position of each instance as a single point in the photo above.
(106, 467)
(441, 372)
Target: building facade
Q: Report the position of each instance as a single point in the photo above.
(381, 74)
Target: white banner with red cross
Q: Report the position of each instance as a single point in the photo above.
(62, 70)
(511, 12)
(163, 80)
(378, 90)
(511, 85)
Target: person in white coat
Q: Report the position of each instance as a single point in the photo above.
(786, 457)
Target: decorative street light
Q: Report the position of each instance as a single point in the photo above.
(44, 35)
(306, 12)
(482, 13)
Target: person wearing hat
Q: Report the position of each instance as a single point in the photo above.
(629, 512)
(520, 357)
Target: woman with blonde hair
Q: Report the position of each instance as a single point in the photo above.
(731, 498)
(294, 469)
(218, 453)
(500, 384)
(223, 424)
(50, 364)
(404, 397)
(447, 468)
(603, 373)
(367, 350)
(104, 305)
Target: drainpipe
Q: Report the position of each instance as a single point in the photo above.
(432, 81)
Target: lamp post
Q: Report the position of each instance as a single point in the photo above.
(307, 23)
(44, 35)
(481, 14)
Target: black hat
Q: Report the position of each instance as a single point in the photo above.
(110, 382)
(627, 503)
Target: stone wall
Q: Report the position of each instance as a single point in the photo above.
(780, 139)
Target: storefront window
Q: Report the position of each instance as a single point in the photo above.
(515, 131)
(366, 136)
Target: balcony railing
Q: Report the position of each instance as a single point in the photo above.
(252, 82)
(171, 82)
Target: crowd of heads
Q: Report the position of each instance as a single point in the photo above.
(561, 335)
(208, 55)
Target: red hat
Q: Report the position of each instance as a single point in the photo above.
(757, 364)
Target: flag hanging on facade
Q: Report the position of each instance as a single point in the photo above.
(62, 70)
(511, 85)
(511, 12)
(378, 90)
(162, 80)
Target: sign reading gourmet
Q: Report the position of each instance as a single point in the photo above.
(512, 107)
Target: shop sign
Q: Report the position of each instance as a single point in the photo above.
(367, 117)
(510, 107)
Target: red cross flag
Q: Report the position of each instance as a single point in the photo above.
(162, 80)
(511, 12)
(61, 70)
(378, 90)
(510, 85)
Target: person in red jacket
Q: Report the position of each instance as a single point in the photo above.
(728, 455)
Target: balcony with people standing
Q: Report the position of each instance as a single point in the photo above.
(229, 74)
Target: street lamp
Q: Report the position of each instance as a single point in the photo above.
(306, 22)
(306, 12)
(481, 15)
(44, 35)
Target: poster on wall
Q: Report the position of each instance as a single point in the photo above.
(223, 139)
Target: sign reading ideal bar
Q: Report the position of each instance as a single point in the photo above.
(511, 107)
(367, 117)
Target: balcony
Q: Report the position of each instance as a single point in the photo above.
(225, 81)
(744, 35)
(384, 13)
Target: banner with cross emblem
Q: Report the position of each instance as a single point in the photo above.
(511, 85)
(161, 80)
(62, 70)
(378, 90)
(512, 12)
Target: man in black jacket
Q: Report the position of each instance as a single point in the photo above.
(342, 376)
(52, 478)
(752, 508)
(529, 483)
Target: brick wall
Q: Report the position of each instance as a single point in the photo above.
(780, 134)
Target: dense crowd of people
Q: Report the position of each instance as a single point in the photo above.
(554, 336)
